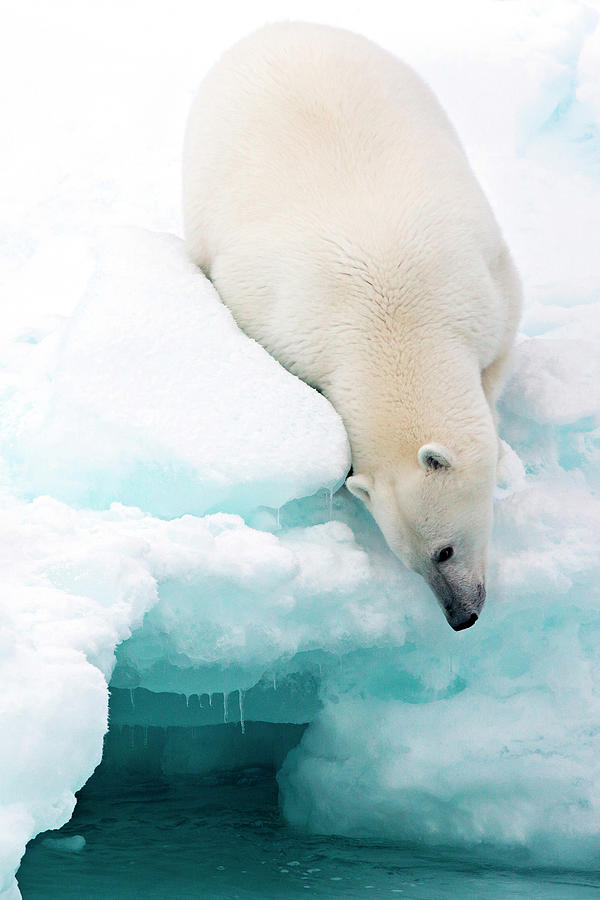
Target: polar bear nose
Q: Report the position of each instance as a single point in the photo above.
(466, 624)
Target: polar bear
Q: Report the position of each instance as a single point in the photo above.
(327, 197)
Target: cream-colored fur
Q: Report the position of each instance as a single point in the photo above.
(328, 198)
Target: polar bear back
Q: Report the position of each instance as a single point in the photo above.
(313, 157)
(299, 117)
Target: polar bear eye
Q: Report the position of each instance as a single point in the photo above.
(445, 554)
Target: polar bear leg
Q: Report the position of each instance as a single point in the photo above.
(492, 380)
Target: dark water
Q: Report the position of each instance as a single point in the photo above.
(223, 837)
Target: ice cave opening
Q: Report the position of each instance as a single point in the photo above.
(193, 808)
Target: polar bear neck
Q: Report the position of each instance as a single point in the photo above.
(400, 379)
(406, 343)
(393, 408)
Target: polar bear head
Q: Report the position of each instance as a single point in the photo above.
(436, 515)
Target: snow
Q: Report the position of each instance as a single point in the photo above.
(154, 398)
(166, 515)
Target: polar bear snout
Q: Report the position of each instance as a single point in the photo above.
(464, 613)
(461, 604)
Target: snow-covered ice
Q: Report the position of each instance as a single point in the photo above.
(153, 397)
(166, 485)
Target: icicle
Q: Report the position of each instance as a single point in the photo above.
(453, 666)
(241, 703)
(145, 735)
(225, 710)
(187, 701)
(131, 698)
(210, 701)
(274, 681)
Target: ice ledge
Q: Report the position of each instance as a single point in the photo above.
(150, 395)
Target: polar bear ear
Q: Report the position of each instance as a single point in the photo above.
(435, 456)
(360, 486)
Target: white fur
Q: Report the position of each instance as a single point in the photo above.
(328, 198)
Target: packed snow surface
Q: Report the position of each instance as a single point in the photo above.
(167, 487)
(153, 397)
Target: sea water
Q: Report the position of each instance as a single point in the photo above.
(137, 833)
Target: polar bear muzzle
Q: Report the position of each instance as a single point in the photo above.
(461, 603)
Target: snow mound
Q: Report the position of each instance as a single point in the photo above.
(153, 397)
